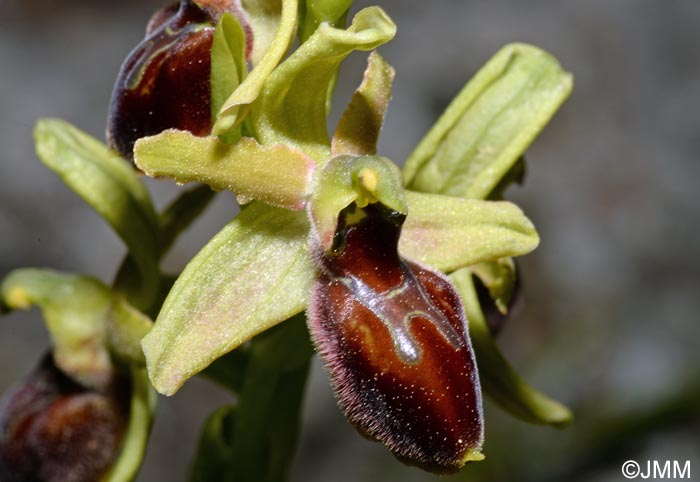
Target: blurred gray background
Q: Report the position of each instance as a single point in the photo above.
(610, 325)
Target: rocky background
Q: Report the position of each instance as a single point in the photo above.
(610, 325)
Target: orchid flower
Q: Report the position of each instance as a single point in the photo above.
(381, 260)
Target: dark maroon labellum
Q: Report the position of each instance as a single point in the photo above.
(54, 430)
(394, 339)
(164, 83)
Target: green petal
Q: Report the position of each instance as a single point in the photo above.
(112, 188)
(264, 18)
(358, 130)
(488, 126)
(276, 174)
(141, 413)
(498, 378)
(252, 275)
(292, 107)
(237, 105)
(448, 232)
(348, 179)
(228, 64)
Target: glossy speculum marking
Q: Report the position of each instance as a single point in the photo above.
(394, 339)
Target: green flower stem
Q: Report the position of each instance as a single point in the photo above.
(142, 408)
(255, 441)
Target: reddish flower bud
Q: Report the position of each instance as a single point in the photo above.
(394, 339)
(54, 430)
(165, 81)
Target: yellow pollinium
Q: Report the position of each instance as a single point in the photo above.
(368, 181)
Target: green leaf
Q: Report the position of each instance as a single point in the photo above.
(488, 126)
(292, 107)
(348, 179)
(498, 379)
(358, 130)
(448, 232)
(252, 275)
(110, 185)
(228, 64)
(74, 308)
(499, 278)
(256, 440)
(276, 175)
(141, 413)
(238, 104)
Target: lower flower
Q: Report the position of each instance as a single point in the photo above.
(394, 339)
(54, 430)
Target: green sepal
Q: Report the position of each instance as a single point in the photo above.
(348, 179)
(498, 379)
(448, 233)
(126, 327)
(291, 109)
(488, 126)
(255, 441)
(237, 105)
(85, 319)
(74, 309)
(252, 275)
(275, 174)
(141, 412)
(499, 278)
(316, 12)
(110, 185)
(358, 130)
(228, 65)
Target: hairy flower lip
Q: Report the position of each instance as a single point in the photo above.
(53, 429)
(165, 81)
(394, 340)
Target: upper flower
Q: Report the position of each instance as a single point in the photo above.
(165, 81)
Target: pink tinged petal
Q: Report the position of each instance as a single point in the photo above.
(393, 337)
